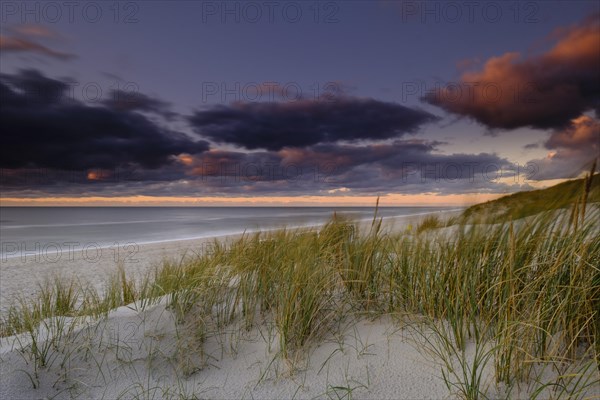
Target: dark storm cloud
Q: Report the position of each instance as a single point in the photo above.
(409, 166)
(396, 167)
(274, 126)
(30, 88)
(123, 100)
(54, 145)
(408, 159)
(545, 91)
(43, 128)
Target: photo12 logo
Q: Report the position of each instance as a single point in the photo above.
(54, 252)
(52, 12)
(463, 92)
(470, 171)
(455, 12)
(119, 93)
(213, 91)
(227, 172)
(270, 12)
(52, 176)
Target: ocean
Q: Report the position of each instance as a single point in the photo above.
(50, 229)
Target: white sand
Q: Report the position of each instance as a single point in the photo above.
(145, 354)
(377, 361)
(135, 355)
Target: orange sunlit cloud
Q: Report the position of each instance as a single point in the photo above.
(185, 159)
(98, 175)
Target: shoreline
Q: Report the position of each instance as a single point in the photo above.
(8, 258)
(21, 278)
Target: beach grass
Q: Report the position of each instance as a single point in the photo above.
(429, 222)
(524, 293)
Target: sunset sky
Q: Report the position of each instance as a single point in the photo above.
(295, 103)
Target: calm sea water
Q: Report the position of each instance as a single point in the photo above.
(46, 228)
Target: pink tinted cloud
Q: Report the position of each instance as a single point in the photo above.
(545, 91)
(20, 45)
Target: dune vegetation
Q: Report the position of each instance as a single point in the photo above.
(521, 298)
(527, 203)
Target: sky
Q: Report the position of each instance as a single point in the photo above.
(295, 102)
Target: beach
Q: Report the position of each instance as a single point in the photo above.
(146, 350)
(378, 357)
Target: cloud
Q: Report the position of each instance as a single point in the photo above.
(400, 162)
(572, 149)
(21, 45)
(122, 100)
(545, 91)
(30, 87)
(35, 30)
(276, 125)
(404, 166)
(43, 128)
(582, 135)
